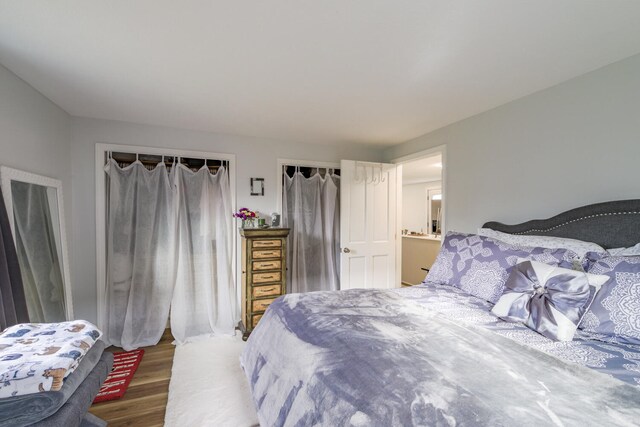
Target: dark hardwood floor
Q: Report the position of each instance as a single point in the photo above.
(145, 401)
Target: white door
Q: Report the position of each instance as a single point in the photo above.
(368, 231)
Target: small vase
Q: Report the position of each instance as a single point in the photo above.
(248, 223)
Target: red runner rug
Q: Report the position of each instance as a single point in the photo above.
(125, 364)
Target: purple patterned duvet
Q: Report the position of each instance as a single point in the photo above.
(386, 358)
(596, 351)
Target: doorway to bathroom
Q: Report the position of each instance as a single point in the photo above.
(421, 211)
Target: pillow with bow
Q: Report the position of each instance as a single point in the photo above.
(550, 300)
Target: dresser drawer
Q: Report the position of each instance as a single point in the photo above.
(274, 276)
(276, 243)
(267, 253)
(267, 265)
(265, 291)
(261, 304)
(255, 319)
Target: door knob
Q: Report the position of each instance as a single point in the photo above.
(346, 250)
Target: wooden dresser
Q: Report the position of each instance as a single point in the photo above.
(264, 254)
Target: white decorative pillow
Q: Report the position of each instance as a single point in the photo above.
(549, 242)
(550, 300)
(632, 251)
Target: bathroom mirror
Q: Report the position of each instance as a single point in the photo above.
(36, 213)
(434, 200)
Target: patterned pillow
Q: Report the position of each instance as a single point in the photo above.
(550, 300)
(480, 265)
(616, 309)
(578, 246)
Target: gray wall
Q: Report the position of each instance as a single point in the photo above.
(35, 132)
(255, 157)
(35, 136)
(569, 145)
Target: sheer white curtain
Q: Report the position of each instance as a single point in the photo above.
(204, 299)
(141, 254)
(312, 212)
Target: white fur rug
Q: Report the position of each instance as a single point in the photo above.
(208, 386)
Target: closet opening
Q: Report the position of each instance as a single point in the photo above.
(165, 242)
(309, 199)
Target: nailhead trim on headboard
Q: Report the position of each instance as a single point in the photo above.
(544, 230)
(614, 224)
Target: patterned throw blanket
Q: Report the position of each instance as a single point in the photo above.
(374, 358)
(38, 357)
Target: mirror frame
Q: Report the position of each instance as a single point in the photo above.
(7, 175)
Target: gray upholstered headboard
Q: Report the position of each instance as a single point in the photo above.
(611, 224)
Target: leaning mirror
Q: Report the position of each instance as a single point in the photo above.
(36, 213)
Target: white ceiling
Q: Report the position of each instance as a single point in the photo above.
(371, 71)
(423, 170)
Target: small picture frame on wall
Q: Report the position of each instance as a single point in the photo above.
(257, 186)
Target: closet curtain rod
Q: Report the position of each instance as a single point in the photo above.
(311, 167)
(309, 170)
(298, 167)
(154, 159)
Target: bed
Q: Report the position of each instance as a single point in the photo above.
(434, 354)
